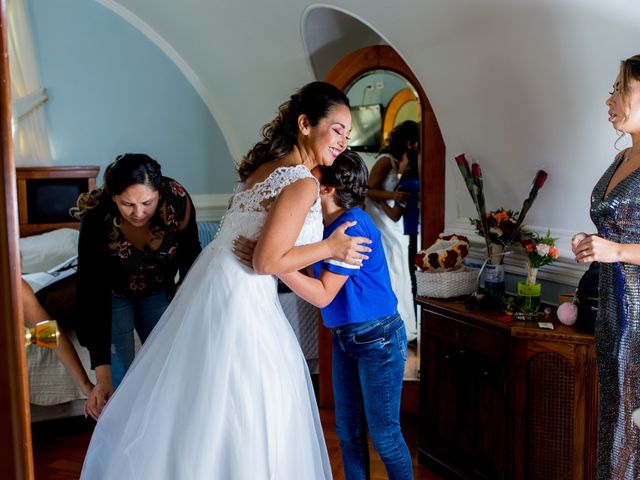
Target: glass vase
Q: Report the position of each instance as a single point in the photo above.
(529, 297)
(494, 273)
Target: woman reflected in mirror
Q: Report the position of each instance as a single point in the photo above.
(401, 145)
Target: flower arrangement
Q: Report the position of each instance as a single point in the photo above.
(540, 251)
(505, 229)
(446, 253)
(500, 224)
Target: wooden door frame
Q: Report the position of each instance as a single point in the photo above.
(16, 454)
(342, 75)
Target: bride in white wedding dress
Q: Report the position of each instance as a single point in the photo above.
(220, 389)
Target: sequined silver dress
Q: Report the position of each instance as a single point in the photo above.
(617, 218)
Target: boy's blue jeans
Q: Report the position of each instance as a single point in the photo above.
(127, 314)
(368, 367)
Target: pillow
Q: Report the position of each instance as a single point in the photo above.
(40, 253)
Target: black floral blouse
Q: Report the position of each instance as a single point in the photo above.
(110, 266)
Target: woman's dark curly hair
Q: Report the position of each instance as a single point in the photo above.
(127, 170)
(396, 143)
(280, 135)
(349, 176)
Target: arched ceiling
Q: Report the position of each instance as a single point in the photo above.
(329, 34)
(514, 82)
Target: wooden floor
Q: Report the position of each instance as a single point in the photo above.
(59, 447)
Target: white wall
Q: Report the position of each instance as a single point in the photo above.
(514, 83)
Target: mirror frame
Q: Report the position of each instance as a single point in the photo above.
(16, 456)
(342, 75)
(399, 100)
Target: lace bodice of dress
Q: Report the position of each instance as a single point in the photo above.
(249, 208)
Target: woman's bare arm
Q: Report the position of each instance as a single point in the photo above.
(275, 250)
(66, 353)
(377, 177)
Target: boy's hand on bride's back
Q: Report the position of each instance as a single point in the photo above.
(351, 250)
(243, 250)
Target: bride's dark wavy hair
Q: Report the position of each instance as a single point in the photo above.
(350, 177)
(281, 134)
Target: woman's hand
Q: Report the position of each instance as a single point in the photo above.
(101, 393)
(98, 398)
(592, 248)
(576, 239)
(243, 250)
(399, 197)
(348, 249)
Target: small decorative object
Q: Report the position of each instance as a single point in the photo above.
(540, 251)
(500, 228)
(499, 224)
(440, 273)
(446, 253)
(567, 313)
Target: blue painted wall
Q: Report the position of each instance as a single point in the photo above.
(112, 90)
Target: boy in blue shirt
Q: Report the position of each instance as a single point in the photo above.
(369, 338)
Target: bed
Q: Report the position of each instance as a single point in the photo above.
(48, 247)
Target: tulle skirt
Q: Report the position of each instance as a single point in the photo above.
(220, 390)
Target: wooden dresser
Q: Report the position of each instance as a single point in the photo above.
(505, 400)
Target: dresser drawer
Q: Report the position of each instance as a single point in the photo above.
(466, 335)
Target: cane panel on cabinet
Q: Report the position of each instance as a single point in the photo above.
(505, 400)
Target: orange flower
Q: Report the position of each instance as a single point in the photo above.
(502, 216)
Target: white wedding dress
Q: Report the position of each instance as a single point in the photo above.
(220, 389)
(396, 250)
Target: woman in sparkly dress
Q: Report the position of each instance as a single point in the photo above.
(615, 210)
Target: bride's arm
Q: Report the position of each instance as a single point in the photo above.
(275, 250)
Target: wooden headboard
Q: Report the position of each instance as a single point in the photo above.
(45, 195)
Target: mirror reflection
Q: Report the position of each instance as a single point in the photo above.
(386, 132)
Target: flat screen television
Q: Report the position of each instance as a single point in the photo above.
(49, 201)
(366, 128)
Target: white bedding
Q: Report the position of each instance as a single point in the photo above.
(49, 382)
(45, 259)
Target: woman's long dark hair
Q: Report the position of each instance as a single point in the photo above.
(396, 143)
(281, 134)
(350, 177)
(127, 170)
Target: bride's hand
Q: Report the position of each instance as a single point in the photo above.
(243, 250)
(348, 249)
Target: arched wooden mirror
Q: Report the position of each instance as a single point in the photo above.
(404, 105)
(363, 75)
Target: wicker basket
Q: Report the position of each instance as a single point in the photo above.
(447, 284)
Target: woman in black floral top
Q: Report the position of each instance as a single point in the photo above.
(136, 233)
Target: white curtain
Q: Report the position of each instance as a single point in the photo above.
(30, 136)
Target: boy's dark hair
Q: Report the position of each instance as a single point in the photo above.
(349, 176)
